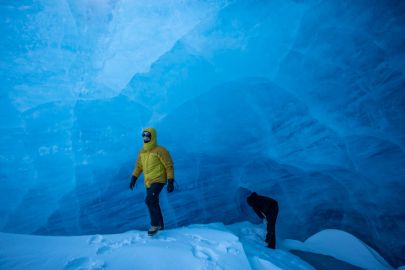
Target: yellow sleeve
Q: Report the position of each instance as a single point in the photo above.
(167, 161)
(138, 167)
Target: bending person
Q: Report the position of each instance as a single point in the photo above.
(265, 208)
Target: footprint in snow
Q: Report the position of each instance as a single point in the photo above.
(96, 240)
(204, 253)
(103, 250)
(200, 253)
(84, 263)
(232, 251)
(139, 238)
(166, 239)
(208, 257)
(199, 240)
(105, 246)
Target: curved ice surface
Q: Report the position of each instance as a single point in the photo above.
(343, 246)
(300, 100)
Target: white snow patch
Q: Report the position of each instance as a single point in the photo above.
(342, 246)
(205, 247)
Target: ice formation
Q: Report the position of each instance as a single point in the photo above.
(303, 101)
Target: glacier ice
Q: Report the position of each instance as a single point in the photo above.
(300, 100)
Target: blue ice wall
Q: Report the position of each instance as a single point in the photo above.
(303, 101)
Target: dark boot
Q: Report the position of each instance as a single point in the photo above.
(153, 230)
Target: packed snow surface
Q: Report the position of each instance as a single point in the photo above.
(212, 246)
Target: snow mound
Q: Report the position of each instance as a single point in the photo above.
(342, 246)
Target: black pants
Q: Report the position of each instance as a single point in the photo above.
(152, 201)
(271, 217)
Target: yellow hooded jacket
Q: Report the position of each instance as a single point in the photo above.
(154, 161)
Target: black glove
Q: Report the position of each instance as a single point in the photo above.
(132, 184)
(170, 185)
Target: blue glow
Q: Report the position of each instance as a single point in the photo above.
(303, 101)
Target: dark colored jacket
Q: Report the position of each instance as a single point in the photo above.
(262, 205)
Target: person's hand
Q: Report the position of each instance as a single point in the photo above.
(170, 185)
(133, 181)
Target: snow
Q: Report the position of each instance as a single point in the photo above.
(194, 247)
(343, 246)
(210, 246)
(302, 101)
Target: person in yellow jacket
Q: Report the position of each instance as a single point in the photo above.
(157, 167)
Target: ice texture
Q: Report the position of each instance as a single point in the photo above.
(303, 101)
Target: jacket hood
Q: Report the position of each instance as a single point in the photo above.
(250, 199)
(153, 142)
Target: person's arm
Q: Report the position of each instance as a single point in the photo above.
(253, 201)
(258, 212)
(254, 205)
(138, 167)
(137, 171)
(167, 162)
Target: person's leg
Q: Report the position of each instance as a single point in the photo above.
(152, 201)
(271, 228)
(161, 223)
(270, 236)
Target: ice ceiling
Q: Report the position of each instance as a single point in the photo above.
(303, 101)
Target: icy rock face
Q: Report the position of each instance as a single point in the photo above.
(299, 100)
(61, 144)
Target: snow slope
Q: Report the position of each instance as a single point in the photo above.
(212, 246)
